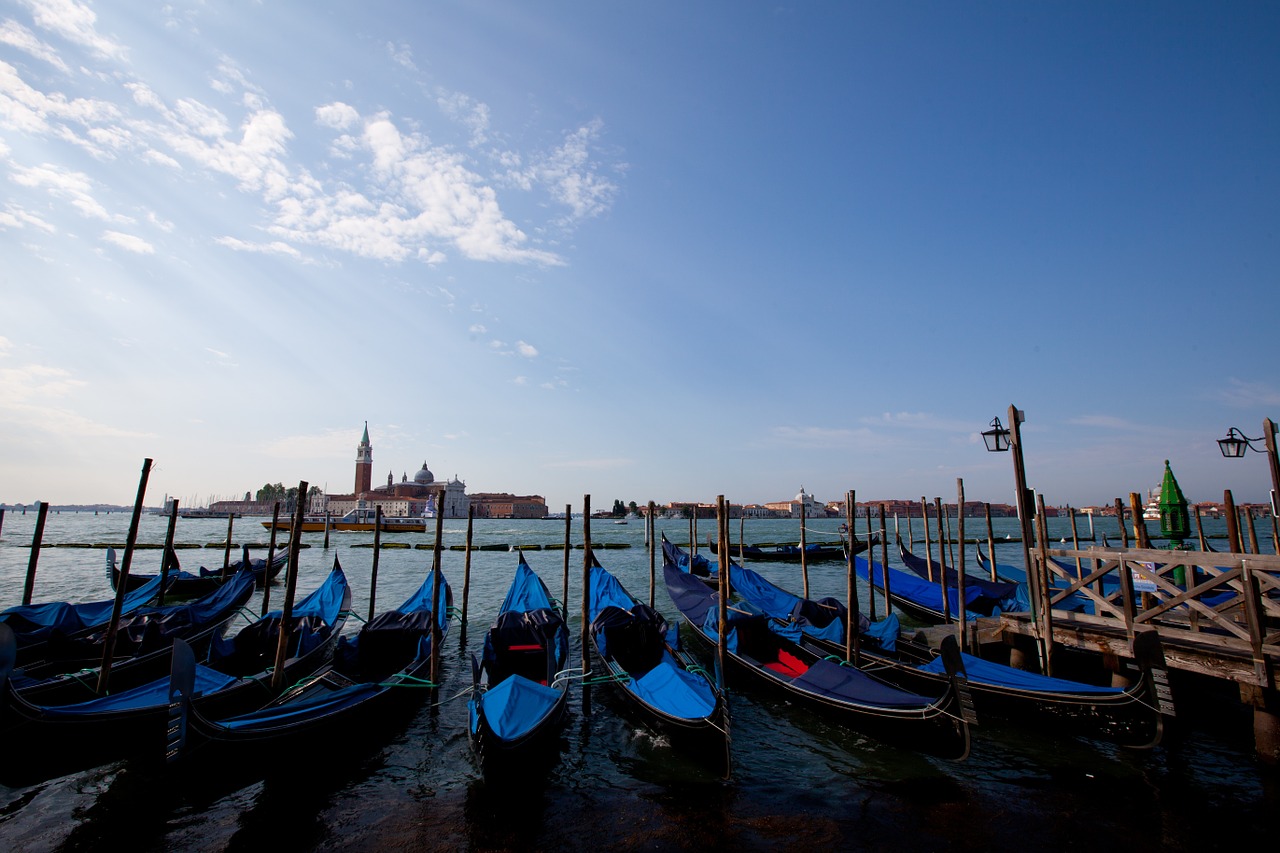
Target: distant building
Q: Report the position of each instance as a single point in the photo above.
(791, 508)
(421, 497)
(505, 505)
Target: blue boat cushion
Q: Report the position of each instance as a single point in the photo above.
(634, 639)
(675, 691)
(846, 683)
(516, 705)
(980, 671)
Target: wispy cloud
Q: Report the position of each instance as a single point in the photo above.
(1249, 395)
(917, 420)
(526, 350)
(15, 35)
(275, 247)
(76, 23)
(129, 242)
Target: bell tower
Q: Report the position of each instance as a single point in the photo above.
(364, 463)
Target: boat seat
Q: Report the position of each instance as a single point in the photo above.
(787, 664)
(527, 647)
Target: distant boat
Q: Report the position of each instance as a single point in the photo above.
(356, 520)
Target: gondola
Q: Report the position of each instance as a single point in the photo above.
(660, 682)
(34, 625)
(982, 596)
(791, 553)
(1127, 716)
(54, 672)
(384, 667)
(236, 676)
(520, 688)
(795, 669)
(185, 584)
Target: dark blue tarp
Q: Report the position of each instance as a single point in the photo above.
(918, 591)
(516, 706)
(34, 622)
(980, 671)
(995, 591)
(675, 691)
(152, 695)
(852, 685)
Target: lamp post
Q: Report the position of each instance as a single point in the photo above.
(1236, 443)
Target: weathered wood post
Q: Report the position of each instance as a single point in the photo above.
(1124, 531)
(586, 585)
(377, 548)
(326, 527)
(653, 554)
(2, 520)
(37, 539)
(852, 645)
(928, 542)
(742, 533)
(168, 551)
(991, 541)
(1253, 533)
(226, 550)
(568, 550)
(122, 586)
(884, 560)
(871, 591)
(271, 556)
(437, 568)
(290, 590)
(942, 566)
(1046, 588)
(1233, 522)
(1140, 537)
(466, 576)
(722, 598)
(804, 556)
(962, 622)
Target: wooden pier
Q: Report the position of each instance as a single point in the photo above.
(1216, 615)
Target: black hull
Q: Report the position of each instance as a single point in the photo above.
(519, 756)
(937, 731)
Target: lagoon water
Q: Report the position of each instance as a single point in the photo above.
(412, 783)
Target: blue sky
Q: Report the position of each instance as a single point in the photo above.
(639, 250)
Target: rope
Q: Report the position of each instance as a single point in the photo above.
(356, 616)
(410, 681)
(618, 677)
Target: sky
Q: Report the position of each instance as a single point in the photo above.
(642, 251)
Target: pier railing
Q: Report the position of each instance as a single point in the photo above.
(1220, 609)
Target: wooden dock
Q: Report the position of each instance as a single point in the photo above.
(1216, 615)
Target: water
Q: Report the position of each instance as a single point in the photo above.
(798, 781)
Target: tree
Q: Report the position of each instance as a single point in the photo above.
(619, 509)
(632, 507)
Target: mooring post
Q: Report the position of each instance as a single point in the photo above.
(568, 549)
(290, 590)
(1233, 522)
(373, 572)
(1124, 531)
(326, 527)
(871, 590)
(466, 575)
(437, 568)
(962, 622)
(586, 584)
(942, 567)
(722, 598)
(226, 551)
(1075, 543)
(852, 646)
(884, 559)
(928, 543)
(653, 554)
(1140, 537)
(991, 541)
(271, 558)
(168, 551)
(804, 557)
(37, 539)
(122, 586)
(1046, 586)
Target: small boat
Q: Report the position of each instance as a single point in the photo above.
(835, 688)
(662, 683)
(184, 584)
(382, 668)
(520, 687)
(35, 625)
(358, 521)
(142, 642)
(48, 733)
(982, 596)
(1128, 716)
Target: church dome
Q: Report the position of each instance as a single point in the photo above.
(802, 497)
(424, 477)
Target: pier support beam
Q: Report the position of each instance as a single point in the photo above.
(1266, 721)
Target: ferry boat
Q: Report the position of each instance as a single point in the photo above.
(361, 520)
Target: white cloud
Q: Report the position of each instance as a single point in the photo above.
(16, 217)
(129, 243)
(477, 329)
(14, 34)
(273, 248)
(29, 392)
(338, 116)
(74, 22)
(526, 350)
(401, 54)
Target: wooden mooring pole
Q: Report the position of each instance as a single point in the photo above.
(586, 584)
(804, 557)
(962, 625)
(290, 590)
(1233, 522)
(653, 553)
(169, 553)
(884, 559)
(871, 591)
(373, 572)
(991, 541)
(722, 598)
(226, 551)
(37, 539)
(466, 575)
(437, 569)
(852, 651)
(122, 586)
(568, 550)
(271, 556)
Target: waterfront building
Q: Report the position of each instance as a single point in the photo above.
(421, 497)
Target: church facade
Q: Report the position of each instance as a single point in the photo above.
(421, 497)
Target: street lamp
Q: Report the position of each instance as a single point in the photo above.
(1236, 443)
(997, 438)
